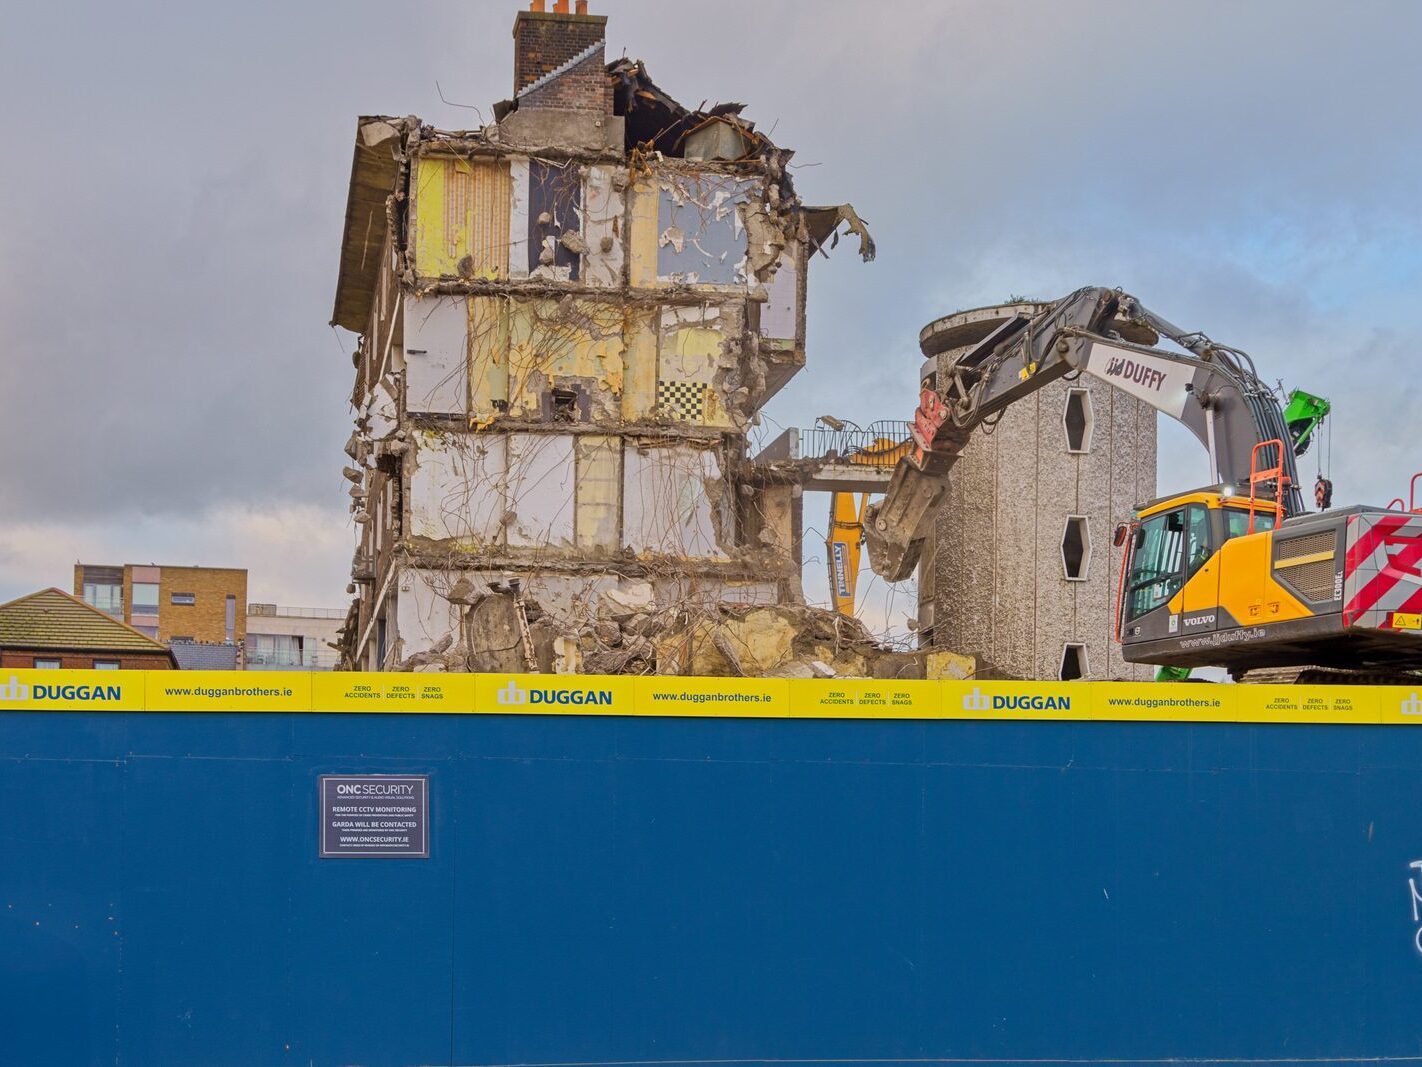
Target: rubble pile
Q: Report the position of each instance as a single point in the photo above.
(630, 632)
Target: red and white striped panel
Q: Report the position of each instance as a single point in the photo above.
(1382, 570)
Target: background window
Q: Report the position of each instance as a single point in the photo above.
(145, 598)
(148, 631)
(231, 616)
(46, 664)
(104, 596)
(106, 665)
(183, 598)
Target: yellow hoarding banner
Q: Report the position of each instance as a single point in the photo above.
(1399, 703)
(1307, 703)
(48, 690)
(1016, 700)
(1164, 702)
(555, 694)
(747, 698)
(859, 698)
(359, 691)
(229, 691)
(829, 698)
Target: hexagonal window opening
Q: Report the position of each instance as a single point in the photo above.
(1078, 420)
(1076, 548)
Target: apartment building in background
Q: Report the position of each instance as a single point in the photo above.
(281, 638)
(186, 605)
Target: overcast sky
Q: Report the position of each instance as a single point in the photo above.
(177, 173)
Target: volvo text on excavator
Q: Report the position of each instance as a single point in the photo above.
(1235, 575)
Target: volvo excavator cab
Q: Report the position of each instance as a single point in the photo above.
(1170, 574)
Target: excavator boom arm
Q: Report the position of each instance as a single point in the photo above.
(1211, 389)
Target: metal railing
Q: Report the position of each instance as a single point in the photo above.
(878, 445)
(310, 659)
(282, 612)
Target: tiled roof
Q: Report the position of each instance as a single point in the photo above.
(53, 619)
(204, 656)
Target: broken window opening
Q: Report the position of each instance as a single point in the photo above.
(1076, 548)
(565, 405)
(1074, 665)
(1078, 419)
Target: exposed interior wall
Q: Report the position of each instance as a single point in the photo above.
(672, 500)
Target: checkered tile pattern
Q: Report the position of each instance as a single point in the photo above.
(687, 399)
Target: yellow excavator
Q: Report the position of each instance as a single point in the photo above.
(844, 539)
(1237, 574)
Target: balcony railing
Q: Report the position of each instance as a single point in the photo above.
(282, 612)
(876, 446)
(285, 659)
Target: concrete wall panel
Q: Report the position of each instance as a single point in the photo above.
(540, 490)
(780, 314)
(457, 487)
(667, 506)
(603, 216)
(574, 345)
(599, 492)
(422, 615)
(437, 355)
(701, 237)
(461, 217)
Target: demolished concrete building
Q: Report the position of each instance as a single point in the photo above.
(569, 319)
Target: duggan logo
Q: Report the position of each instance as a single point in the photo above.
(16, 690)
(1128, 370)
(513, 693)
(977, 700)
(1412, 705)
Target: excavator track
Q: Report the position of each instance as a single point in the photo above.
(1324, 676)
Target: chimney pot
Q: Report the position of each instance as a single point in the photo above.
(560, 7)
(536, 5)
(581, 7)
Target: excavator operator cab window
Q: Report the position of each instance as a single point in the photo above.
(1168, 549)
(1237, 522)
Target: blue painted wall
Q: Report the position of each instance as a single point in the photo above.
(617, 889)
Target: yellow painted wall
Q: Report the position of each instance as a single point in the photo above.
(639, 381)
(642, 235)
(488, 355)
(558, 340)
(689, 351)
(599, 491)
(461, 209)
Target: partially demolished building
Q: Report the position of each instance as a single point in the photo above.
(568, 322)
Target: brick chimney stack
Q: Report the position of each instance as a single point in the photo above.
(558, 58)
